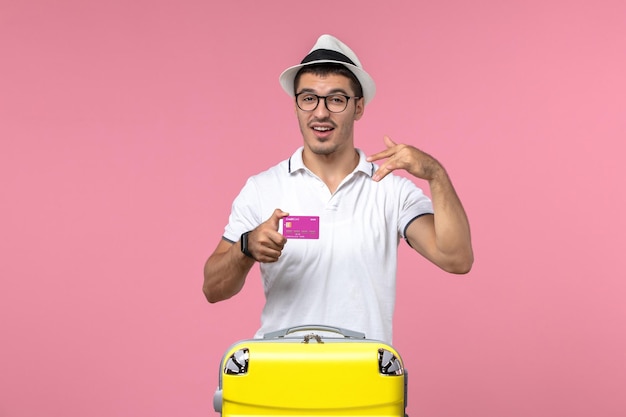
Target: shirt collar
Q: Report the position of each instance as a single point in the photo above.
(296, 163)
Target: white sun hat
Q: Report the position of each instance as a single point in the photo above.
(330, 49)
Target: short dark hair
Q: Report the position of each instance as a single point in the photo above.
(326, 68)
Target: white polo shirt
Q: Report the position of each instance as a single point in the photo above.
(347, 276)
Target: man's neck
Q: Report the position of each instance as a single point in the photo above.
(331, 168)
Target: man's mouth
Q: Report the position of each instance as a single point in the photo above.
(322, 128)
(322, 132)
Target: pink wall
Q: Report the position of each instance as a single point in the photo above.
(124, 137)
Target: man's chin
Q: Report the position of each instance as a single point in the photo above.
(323, 149)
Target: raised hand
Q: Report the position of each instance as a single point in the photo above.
(406, 157)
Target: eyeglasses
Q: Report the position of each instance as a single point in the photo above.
(335, 103)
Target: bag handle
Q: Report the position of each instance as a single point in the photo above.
(319, 327)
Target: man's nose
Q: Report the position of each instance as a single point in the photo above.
(321, 108)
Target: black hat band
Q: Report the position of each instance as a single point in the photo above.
(327, 54)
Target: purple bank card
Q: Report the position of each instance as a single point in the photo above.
(301, 227)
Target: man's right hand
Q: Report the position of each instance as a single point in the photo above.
(265, 244)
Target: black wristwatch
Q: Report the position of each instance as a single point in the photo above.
(244, 245)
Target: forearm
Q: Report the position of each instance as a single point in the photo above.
(452, 231)
(225, 272)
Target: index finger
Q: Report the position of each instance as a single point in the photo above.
(380, 155)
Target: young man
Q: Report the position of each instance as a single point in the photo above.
(325, 224)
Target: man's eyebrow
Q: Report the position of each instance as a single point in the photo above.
(307, 90)
(331, 92)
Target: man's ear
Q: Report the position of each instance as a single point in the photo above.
(359, 108)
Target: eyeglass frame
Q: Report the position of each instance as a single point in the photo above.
(347, 97)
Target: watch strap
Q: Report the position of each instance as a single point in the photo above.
(244, 245)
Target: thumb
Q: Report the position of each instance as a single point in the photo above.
(274, 220)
